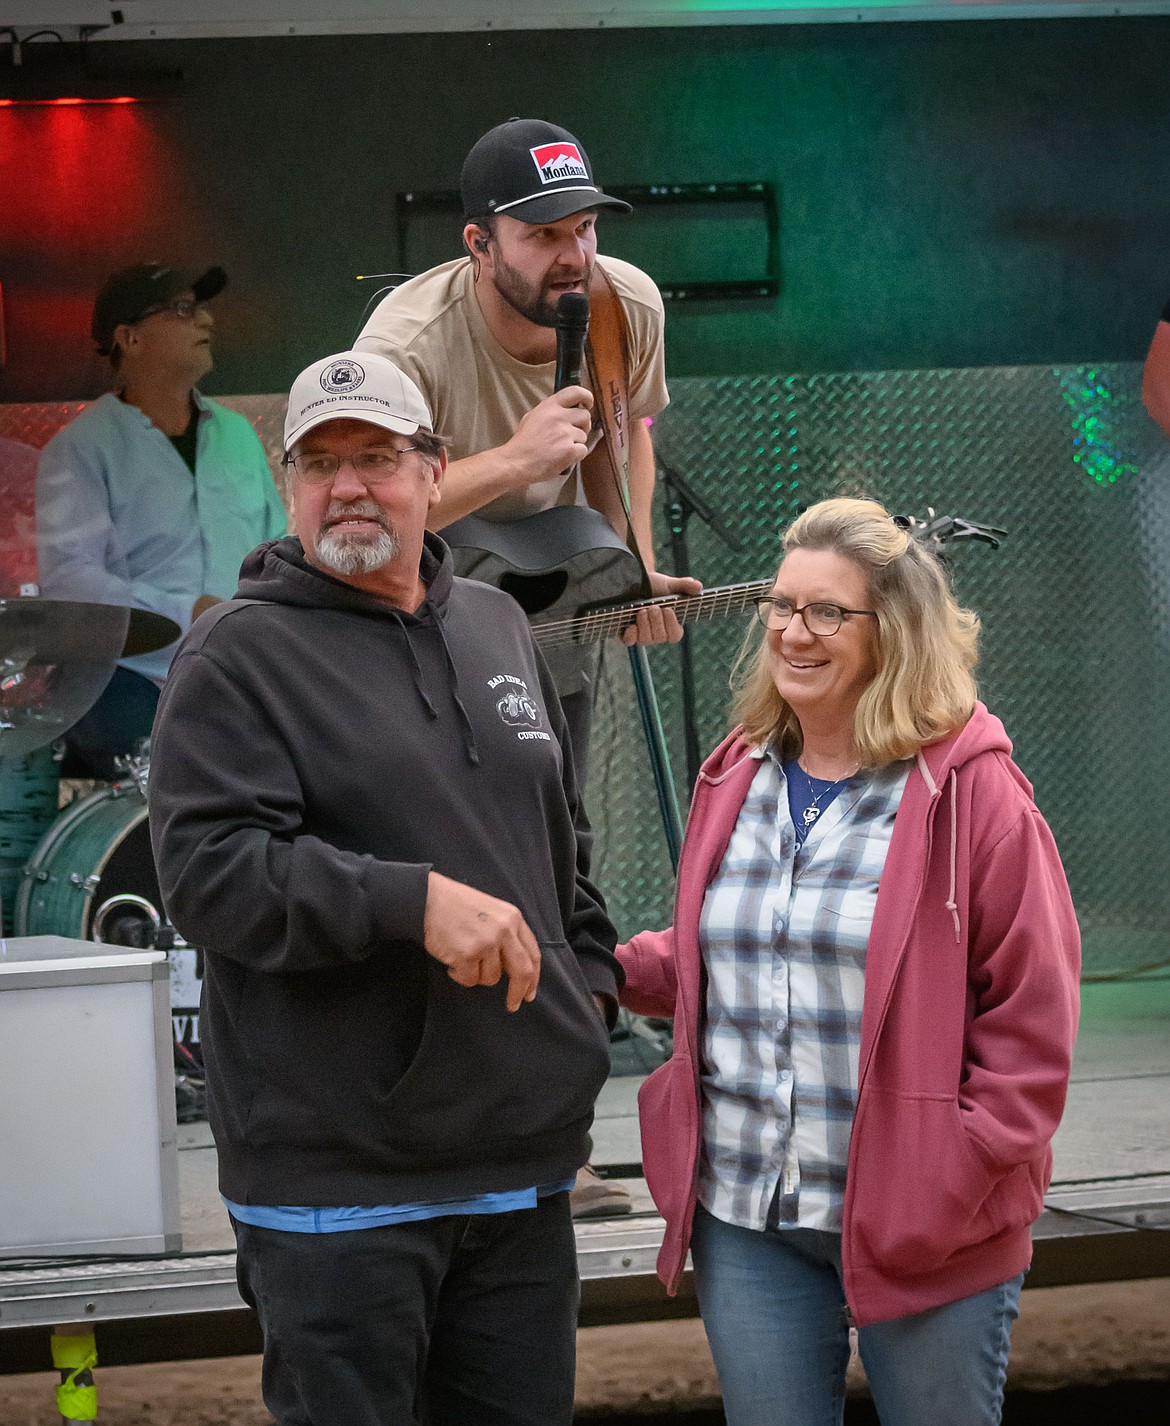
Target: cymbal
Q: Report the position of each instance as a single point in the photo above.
(56, 657)
(69, 627)
(148, 631)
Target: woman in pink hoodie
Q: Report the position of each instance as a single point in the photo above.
(873, 975)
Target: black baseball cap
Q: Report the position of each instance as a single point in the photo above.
(530, 170)
(132, 292)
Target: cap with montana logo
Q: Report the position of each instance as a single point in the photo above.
(355, 386)
(532, 171)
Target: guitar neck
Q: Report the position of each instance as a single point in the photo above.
(608, 621)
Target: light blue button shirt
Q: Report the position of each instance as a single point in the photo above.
(121, 519)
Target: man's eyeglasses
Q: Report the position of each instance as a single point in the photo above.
(181, 307)
(318, 467)
(820, 619)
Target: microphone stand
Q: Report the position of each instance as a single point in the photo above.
(682, 501)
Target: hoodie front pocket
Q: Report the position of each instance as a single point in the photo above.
(485, 1076)
(925, 1193)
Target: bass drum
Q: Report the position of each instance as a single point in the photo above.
(28, 808)
(92, 878)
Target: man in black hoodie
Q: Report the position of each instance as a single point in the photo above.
(364, 811)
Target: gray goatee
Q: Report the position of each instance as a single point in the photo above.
(346, 552)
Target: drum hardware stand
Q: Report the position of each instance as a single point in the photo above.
(135, 768)
(683, 501)
(668, 809)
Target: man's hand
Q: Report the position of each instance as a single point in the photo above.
(203, 604)
(479, 938)
(658, 624)
(551, 437)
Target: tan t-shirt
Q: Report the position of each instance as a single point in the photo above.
(433, 329)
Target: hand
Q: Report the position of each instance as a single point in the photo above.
(203, 604)
(551, 437)
(658, 623)
(479, 938)
(602, 1003)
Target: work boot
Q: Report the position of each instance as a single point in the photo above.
(596, 1197)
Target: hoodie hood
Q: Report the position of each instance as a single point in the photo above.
(725, 758)
(939, 764)
(279, 573)
(982, 733)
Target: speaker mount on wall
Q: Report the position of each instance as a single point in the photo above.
(699, 241)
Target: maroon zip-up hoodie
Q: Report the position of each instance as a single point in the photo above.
(968, 1022)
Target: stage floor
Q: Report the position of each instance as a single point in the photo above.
(1115, 1135)
(1106, 1217)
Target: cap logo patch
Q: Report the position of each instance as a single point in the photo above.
(556, 162)
(342, 376)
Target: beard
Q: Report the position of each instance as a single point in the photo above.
(531, 300)
(344, 551)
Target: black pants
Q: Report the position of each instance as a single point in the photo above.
(461, 1321)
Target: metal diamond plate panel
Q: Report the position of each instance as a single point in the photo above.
(1075, 606)
(35, 423)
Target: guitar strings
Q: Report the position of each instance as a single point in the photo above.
(604, 623)
(614, 620)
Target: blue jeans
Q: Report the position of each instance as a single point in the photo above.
(773, 1307)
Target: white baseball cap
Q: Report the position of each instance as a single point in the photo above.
(358, 386)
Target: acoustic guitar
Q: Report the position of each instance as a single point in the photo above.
(574, 577)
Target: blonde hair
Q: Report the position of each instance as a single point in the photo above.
(926, 643)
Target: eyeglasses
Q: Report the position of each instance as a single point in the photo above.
(319, 467)
(820, 619)
(181, 307)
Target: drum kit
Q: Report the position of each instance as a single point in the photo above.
(84, 871)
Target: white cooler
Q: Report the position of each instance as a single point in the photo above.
(88, 1156)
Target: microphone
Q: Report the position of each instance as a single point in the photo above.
(572, 326)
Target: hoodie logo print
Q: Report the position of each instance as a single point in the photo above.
(517, 708)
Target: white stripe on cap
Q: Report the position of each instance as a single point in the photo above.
(547, 193)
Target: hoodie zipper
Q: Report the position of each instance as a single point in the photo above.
(863, 1076)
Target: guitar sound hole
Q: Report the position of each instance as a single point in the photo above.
(535, 592)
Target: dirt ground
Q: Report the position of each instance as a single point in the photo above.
(1065, 1336)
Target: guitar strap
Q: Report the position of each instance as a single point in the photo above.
(605, 473)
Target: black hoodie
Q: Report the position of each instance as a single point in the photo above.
(313, 758)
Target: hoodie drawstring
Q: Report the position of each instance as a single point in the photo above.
(415, 666)
(951, 904)
(469, 743)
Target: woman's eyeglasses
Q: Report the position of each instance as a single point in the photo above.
(822, 619)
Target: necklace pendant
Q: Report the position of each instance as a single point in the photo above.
(810, 815)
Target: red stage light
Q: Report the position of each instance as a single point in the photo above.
(41, 103)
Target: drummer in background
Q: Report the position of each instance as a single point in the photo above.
(153, 495)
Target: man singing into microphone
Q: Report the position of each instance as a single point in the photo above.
(478, 337)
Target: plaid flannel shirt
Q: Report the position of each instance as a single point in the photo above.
(783, 936)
